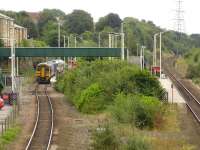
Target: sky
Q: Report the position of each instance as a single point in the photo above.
(161, 12)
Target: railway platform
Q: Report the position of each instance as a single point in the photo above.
(173, 94)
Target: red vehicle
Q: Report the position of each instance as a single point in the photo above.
(1, 103)
(6, 98)
(155, 70)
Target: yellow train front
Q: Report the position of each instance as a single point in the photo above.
(45, 71)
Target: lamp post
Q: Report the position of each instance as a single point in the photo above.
(58, 19)
(155, 50)
(68, 41)
(64, 44)
(142, 57)
(137, 49)
(99, 39)
(122, 41)
(161, 53)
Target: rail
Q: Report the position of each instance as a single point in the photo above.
(37, 122)
(191, 101)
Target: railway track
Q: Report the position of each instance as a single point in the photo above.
(43, 129)
(192, 102)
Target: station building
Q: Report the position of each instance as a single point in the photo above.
(8, 30)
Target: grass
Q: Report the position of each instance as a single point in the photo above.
(9, 136)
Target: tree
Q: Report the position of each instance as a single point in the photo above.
(23, 19)
(32, 43)
(1, 43)
(49, 15)
(78, 22)
(112, 20)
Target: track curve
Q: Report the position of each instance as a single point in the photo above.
(42, 133)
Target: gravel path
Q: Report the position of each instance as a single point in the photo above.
(72, 129)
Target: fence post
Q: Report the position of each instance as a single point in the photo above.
(5, 125)
(13, 119)
(8, 122)
(2, 127)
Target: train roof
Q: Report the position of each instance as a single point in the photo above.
(49, 63)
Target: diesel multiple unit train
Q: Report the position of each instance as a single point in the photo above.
(47, 70)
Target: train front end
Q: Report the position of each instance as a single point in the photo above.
(43, 73)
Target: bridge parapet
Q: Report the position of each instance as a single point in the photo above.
(62, 52)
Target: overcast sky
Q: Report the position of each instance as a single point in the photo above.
(161, 12)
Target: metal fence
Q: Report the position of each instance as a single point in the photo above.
(10, 119)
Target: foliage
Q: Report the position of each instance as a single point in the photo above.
(123, 109)
(32, 43)
(78, 22)
(46, 16)
(1, 43)
(111, 20)
(193, 61)
(50, 33)
(104, 139)
(140, 110)
(137, 143)
(94, 85)
(90, 99)
(8, 136)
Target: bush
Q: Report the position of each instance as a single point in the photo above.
(140, 110)
(146, 110)
(90, 100)
(104, 139)
(1, 43)
(9, 136)
(111, 77)
(123, 110)
(137, 143)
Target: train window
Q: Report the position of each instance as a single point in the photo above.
(47, 69)
(38, 68)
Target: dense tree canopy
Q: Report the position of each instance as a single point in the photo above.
(111, 20)
(1, 43)
(48, 16)
(78, 22)
(24, 19)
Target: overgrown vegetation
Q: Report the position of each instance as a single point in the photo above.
(142, 111)
(130, 95)
(93, 86)
(105, 139)
(1, 43)
(127, 96)
(190, 64)
(9, 136)
(193, 60)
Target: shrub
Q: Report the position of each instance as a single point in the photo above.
(9, 136)
(123, 110)
(137, 143)
(140, 110)
(104, 139)
(90, 100)
(146, 110)
(113, 77)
